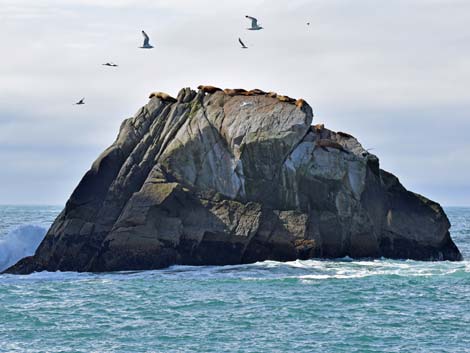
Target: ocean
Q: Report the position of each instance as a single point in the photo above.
(301, 306)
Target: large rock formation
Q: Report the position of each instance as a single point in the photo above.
(228, 178)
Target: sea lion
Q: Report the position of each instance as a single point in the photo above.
(209, 89)
(344, 134)
(286, 99)
(272, 94)
(229, 91)
(299, 103)
(317, 128)
(255, 92)
(324, 143)
(163, 96)
(235, 91)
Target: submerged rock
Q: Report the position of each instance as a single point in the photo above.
(216, 179)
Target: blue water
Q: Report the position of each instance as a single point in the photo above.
(301, 306)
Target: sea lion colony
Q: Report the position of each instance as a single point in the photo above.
(299, 103)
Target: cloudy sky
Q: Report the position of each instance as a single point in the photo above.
(395, 74)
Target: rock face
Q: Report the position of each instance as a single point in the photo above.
(215, 179)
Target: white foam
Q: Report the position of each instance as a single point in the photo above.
(24, 240)
(18, 243)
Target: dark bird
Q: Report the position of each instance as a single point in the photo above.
(81, 101)
(243, 44)
(308, 23)
(146, 44)
(254, 24)
(110, 64)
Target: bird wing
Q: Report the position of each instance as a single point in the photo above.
(254, 21)
(146, 38)
(81, 101)
(243, 44)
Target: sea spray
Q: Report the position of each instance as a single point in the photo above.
(18, 243)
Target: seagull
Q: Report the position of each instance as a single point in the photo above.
(146, 44)
(254, 24)
(308, 23)
(110, 64)
(244, 104)
(243, 44)
(81, 101)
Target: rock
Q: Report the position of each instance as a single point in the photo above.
(217, 179)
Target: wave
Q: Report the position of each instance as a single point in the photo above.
(24, 240)
(306, 271)
(302, 271)
(18, 243)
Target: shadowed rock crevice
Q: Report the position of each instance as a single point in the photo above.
(225, 178)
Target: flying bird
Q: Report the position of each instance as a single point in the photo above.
(146, 44)
(254, 24)
(243, 44)
(81, 101)
(308, 23)
(110, 64)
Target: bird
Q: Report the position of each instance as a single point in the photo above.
(81, 101)
(244, 104)
(243, 44)
(254, 24)
(110, 64)
(146, 44)
(308, 23)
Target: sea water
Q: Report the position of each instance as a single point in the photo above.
(301, 306)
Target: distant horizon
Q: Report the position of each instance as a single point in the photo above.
(63, 205)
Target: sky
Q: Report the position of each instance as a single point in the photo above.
(395, 74)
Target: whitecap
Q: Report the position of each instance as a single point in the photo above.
(18, 243)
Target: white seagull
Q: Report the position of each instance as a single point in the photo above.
(146, 44)
(254, 24)
(243, 44)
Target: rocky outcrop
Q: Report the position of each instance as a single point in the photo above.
(217, 178)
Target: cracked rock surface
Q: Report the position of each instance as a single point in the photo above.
(214, 179)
